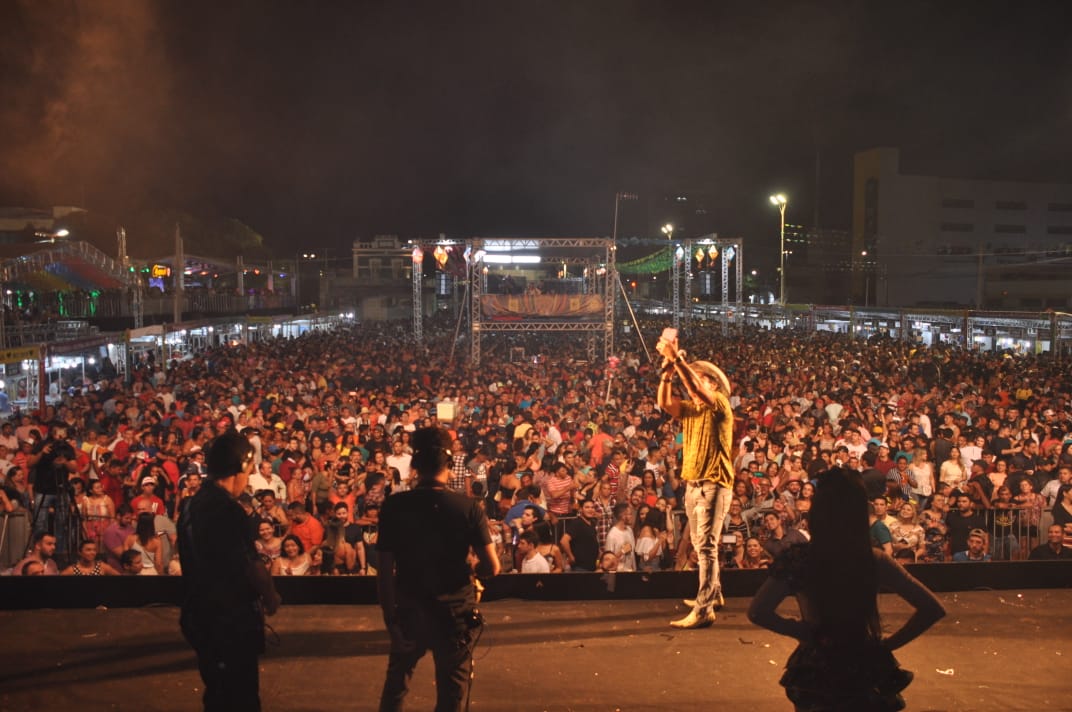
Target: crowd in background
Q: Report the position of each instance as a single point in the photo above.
(966, 455)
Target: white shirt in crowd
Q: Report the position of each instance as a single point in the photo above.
(535, 565)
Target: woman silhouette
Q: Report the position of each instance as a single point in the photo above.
(842, 662)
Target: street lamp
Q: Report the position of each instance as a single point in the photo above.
(867, 278)
(668, 230)
(296, 283)
(780, 201)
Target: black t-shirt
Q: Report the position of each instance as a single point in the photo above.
(429, 530)
(987, 486)
(1002, 522)
(998, 444)
(216, 551)
(959, 527)
(942, 448)
(1023, 463)
(353, 533)
(374, 444)
(326, 436)
(584, 543)
(1045, 553)
(774, 547)
(47, 473)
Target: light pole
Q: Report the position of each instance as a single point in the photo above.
(780, 201)
(668, 230)
(867, 278)
(299, 259)
(674, 276)
(618, 197)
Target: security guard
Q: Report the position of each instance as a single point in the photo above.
(425, 581)
(228, 589)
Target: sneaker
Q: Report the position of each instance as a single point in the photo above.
(694, 620)
(718, 605)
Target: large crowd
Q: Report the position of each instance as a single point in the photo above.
(966, 455)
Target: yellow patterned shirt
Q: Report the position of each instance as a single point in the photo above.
(708, 441)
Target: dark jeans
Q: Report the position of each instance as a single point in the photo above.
(227, 648)
(443, 629)
(45, 519)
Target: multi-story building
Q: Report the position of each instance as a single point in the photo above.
(817, 265)
(380, 282)
(933, 241)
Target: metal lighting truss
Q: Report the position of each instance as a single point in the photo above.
(418, 310)
(707, 241)
(425, 249)
(599, 278)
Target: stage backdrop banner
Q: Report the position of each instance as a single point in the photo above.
(542, 305)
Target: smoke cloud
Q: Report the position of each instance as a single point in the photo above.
(87, 102)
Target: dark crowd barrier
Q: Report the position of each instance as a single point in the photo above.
(18, 592)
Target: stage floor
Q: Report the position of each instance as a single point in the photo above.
(995, 650)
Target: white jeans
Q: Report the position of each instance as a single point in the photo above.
(707, 505)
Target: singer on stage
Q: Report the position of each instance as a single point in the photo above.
(706, 464)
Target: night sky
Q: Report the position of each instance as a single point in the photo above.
(318, 122)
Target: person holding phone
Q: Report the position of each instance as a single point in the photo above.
(706, 464)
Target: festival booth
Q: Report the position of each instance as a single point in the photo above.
(42, 374)
(45, 373)
(190, 337)
(22, 376)
(73, 365)
(1022, 332)
(288, 326)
